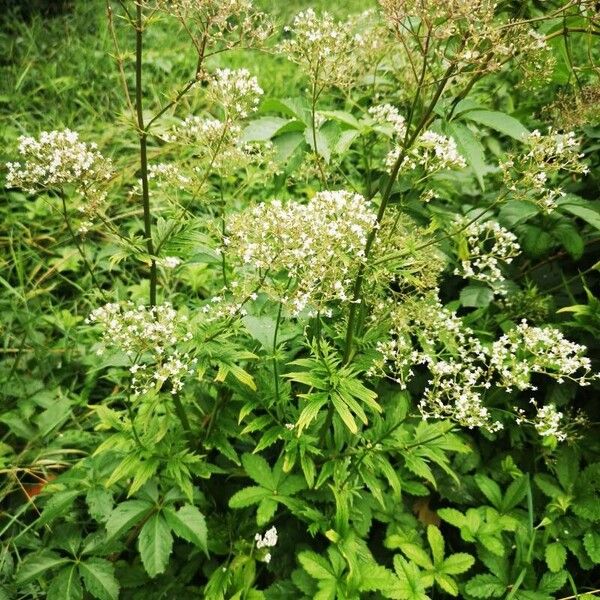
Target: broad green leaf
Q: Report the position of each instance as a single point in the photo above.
(125, 516)
(36, 564)
(515, 493)
(263, 129)
(188, 523)
(57, 505)
(498, 121)
(591, 543)
(66, 585)
(457, 563)
(584, 209)
(548, 485)
(155, 543)
(470, 148)
(552, 582)
(259, 471)
(262, 329)
(342, 117)
(452, 516)
(556, 556)
(100, 503)
(248, 496)
(99, 578)
(476, 296)
(485, 587)
(515, 211)
(315, 565)
(265, 511)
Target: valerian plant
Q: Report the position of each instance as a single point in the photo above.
(337, 373)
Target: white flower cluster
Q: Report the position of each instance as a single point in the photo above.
(56, 159)
(330, 51)
(167, 174)
(547, 421)
(269, 540)
(488, 246)
(529, 176)
(318, 246)
(386, 114)
(462, 369)
(525, 350)
(151, 339)
(432, 152)
(236, 91)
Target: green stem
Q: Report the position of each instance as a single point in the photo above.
(143, 135)
(183, 418)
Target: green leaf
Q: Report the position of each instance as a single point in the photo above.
(125, 516)
(258, 470)
(515, 211)
(417, 555)
(470, 148)
(315, 565)
(66, 585)
(446, 583)
(188, 523)
(155, 543)
(498, 121)
(591, 543)
(410, 586)
(262, 329)
(36, 564)
(552, 582)
(515, 493)
(58, 504)
(99, 578)
(311, 410)
(485, 586)
(476, 296)
(263, 129)
(490, 489)
(248, 496)
(436, 543)
(584, 209)
(344, 413)
(342, 117)
(265, 511)
(556, 556)
(457, 563)
(452, 516)
(100, 503)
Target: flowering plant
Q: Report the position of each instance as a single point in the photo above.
(321, 331)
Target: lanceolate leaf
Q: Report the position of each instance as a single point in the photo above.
(126, 515)
(498, 121)
(155, 543)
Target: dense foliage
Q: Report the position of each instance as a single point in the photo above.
(301, 306)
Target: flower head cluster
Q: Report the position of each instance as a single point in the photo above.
(547, 421)
(167, 174)
(236, 91)
(56, 159)
(151, 339)
(461, 369)
(330, 51)
(576, 108)
(525, 350)
(221, 23)
(488, 246)
(386, 114)
(269, 540)
(317, 245)
(529, 176)
(432, 152)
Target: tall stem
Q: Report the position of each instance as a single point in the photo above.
(143, 135)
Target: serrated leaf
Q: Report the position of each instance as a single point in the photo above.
(57, 505)
(515, 494)
(188, 523)
(490, 489)
(100, 503)
(452, 516)
(263, 129)
(341, 408)
(591, 543)
(447, 583)
(258, 470)
(552, 582)
(248, 496)
(125, 516)
(556, 556)
(155, 543)
(409, 585)
(436, 543)
(485, 586)
(457, 563)
(99, 578)
(34, 565)
(316, 566)
(310, 411)
(66, 585)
